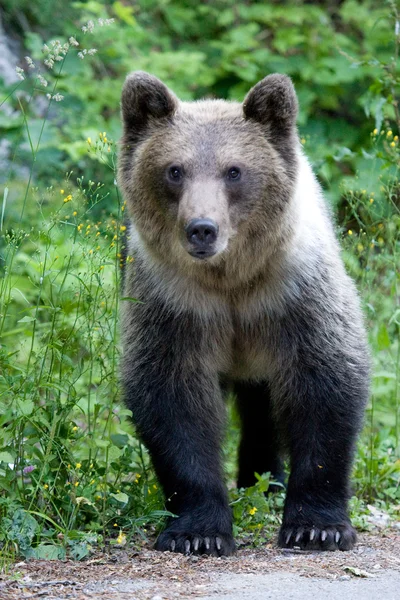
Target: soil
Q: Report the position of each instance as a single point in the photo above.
(371, 569)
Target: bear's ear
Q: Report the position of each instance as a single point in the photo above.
(273, 102)
(145, 96)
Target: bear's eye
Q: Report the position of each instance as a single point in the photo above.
(175, 173)
(234, 173)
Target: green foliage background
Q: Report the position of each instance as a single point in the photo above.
(71, 469)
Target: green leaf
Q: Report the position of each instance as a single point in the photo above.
(119, 439)
(6, 457)
(124, 13)
(121, 497)
(25, 407)
(114, 453)
(102, 443)
(27, 319)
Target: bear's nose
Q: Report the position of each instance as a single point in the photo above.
(201, 232)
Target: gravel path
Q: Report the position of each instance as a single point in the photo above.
(370, 570)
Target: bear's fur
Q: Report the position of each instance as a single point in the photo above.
(265, 305)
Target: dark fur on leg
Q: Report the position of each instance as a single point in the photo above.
(259, 444)
(319, 395)
(179, 413)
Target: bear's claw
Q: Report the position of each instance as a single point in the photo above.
(218, 545)
(332, 537)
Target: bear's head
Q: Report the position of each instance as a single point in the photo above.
(209, 184)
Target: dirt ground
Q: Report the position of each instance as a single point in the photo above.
(372, 567)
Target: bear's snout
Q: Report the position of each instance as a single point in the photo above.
(202, 235)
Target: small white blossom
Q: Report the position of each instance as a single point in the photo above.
(92, 51)
(49, 62)
(81, 55)
(20, 72)
(30, 62)
(103, 22)
(42, 80)
(88, 28)
(56, 97)
(73, 41)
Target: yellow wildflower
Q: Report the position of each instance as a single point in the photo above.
(78, 465)
(74, 213)
(45, 486)
(253, 511)
(76, 483)
(75, 428)
(121, 539)
(123, 228)
(350, 232)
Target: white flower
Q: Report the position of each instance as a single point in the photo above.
(30, 62)
(88, 28)
(42, 80)
(73, 41)
(20, 72)
(103, 22)
(56, 97)
(92, 51)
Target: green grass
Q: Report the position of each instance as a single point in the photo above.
(73, 475)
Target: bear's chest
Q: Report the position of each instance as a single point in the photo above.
(251, 354)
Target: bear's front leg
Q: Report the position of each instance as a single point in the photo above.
(320, 398)
(173, 391)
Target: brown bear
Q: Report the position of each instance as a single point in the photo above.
(240, 282)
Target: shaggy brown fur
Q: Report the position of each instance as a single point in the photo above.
(266, 304)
